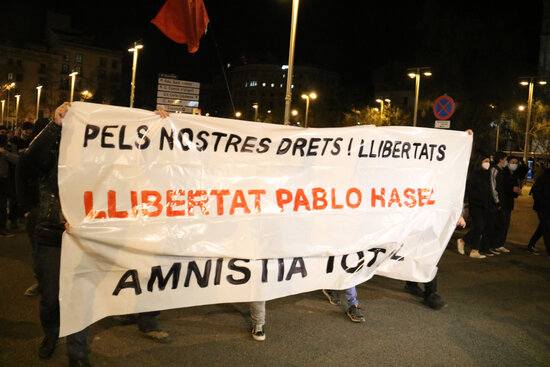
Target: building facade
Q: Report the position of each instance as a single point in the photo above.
(264, 86)
(48, 64)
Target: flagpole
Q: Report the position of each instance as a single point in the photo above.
(288, 96)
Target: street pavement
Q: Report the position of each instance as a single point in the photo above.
(498, 314)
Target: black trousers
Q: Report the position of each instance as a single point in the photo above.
(479, 217)
(495, 230)
(429, 287)
(544, 224)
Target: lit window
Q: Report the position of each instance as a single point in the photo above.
(263, 84)
(253, 83)
(245, 84)
(272, 85)
(78, 58)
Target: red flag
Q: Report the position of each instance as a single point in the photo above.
(183, 21)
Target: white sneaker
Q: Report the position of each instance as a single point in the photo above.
(502, 249)
(476, 255)
(258, 332)
(460, 246)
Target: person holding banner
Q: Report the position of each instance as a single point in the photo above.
(42, 155)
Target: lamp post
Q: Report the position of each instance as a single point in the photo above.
(38, 92)
(414, 73)
(288, 96)
(17, 98)
(255, 107)
(381, 101)
(2, 116)
(530, 81)
(73, 77)
(135, 50)
(307, 97)
(8, 88)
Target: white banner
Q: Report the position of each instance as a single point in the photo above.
(193, 210)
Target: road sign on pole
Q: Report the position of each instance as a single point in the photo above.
(444, 107)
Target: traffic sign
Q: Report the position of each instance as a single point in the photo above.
(444, 107)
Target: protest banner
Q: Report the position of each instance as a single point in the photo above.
(190, 210)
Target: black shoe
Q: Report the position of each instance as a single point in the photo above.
(356, 314)
(532, 251)
(47, 347)
(332, 296)
(83, 362)
(433, 300)
(414, 289)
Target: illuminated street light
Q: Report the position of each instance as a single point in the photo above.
(307, 97)
(414, 73)
(8, 88)
(73, 77)
(85, 94)
(17, 98)
(521, 107)
(255, 107)
(381, 101)
(238, 114)
(135, 50)
(529, 81)
(288, 95)
(38, 92)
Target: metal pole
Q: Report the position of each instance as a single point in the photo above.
(133, 84)
(73, 77)
(2, 116)
(529, 105)
(8, 109)
(38, 90)
(417, 89)
(288, 96)
(307, 109)
(498, 132)
(17, 97)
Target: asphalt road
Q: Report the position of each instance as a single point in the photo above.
(498, 315)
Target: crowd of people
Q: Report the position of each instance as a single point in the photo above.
(29, 192)
(494, 182)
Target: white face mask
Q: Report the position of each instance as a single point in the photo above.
(504, 164)
(513, 166)
(485, 165)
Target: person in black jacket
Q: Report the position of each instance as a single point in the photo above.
(541, 197)
(42, 156)
(511, 190)
(478, 196)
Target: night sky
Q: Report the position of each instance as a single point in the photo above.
(477, 48)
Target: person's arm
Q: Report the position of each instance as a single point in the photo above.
(494, 173)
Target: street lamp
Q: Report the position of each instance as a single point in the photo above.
(17, 98)
(135, 50)
(85, 94)
(2, 116)
(8, 88)
(288, 96)
(307, 97)
(238, 114)
(73, 77)
(38, 92)
(530, 81)
(414, 73)
(255, 107)
(381, 101)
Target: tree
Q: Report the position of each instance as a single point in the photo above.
(391, 116)
(539, 128)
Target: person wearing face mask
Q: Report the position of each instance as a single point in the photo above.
(478, 197)
(496, 226)
(512, 189)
